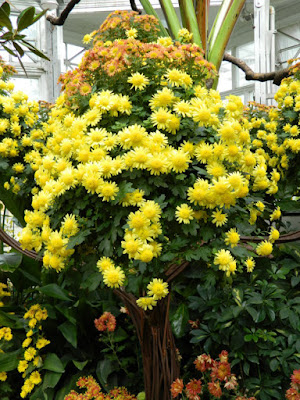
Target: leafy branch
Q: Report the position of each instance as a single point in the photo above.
(14, 37)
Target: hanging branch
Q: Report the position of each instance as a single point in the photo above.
(4, 237)
(134, 7)
(174, 270)
(64, 14)
(69, 7)
(250, 75)
(288, 237)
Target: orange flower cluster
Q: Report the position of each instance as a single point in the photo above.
(217, 372)
(106, 322)
(118, 22)
(294, 67)
(293, 393)
(8, 70)
(124, 54)
(93, 391)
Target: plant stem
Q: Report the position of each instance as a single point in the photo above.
(112, 347)
(171, 17)
(187, 10)
(150, 10)
(222, 30)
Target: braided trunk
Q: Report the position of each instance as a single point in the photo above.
(160, 365)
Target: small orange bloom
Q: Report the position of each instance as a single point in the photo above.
(176, 387)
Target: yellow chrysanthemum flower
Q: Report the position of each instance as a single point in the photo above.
(131, 33)
(232, 237)
(105, 263)
(223, 258)
(250, 264)
(265, 248)
(3, 376)
(30, 353)
(184, 214)
(146, 303)
(157, 288)
(274, 235)
(219, 219)
(22, 366)
(113, 277)
(138, 81)
(276, 214)
(35, 377)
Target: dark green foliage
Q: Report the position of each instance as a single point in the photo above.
(256, 318)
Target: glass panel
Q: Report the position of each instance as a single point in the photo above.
(225, 80)
(246, 53)
(30, 86)
(4, 55)
(74, 55)
(289, 45)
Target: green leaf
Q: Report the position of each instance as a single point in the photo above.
(252, 312)
(53, 363)
(248, 338)
(246, 368)
(51, 379)
(274, 364)
(38, 394)
(25, 19)
(55, 291)
(8, 51)
(120, 335)
(18, 48)
(295, 280)
(80, 364)
(78, 239)
(294, 319)
(284, 313)
(67, 313)
(4, 16)
(199, 335)
(179, 320)
(9, 361)
(92, 282)
(253, 358)
(10, 320)
(104, 369)
(38, 16)
(9, 262)
(290, 114)
(69, 331)
(34, 50)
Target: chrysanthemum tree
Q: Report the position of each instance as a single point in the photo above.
(142, 169)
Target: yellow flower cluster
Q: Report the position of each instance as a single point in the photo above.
(33, 343)
(164, 127)
(113, 276)
(225, 261)
(5, 334)
(3, 292)
(78, 152)
(185, 35)
(18, 118)
(157, 289)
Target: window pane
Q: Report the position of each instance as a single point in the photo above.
(28, 86)
(225, 80)
(74, 55)
(246, 53)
